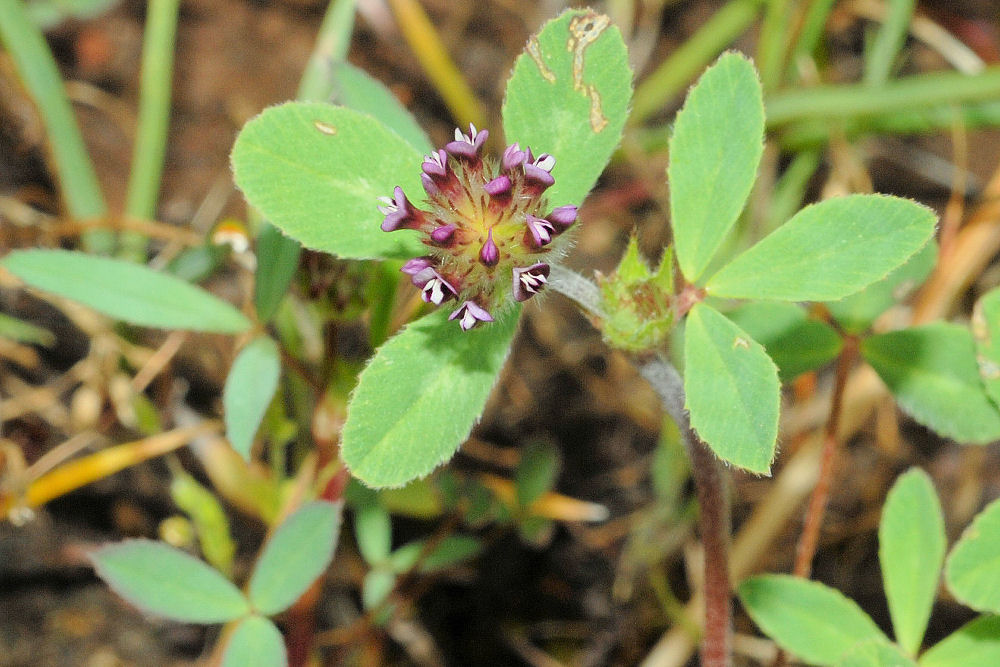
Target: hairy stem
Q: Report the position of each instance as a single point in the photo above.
(713, 518)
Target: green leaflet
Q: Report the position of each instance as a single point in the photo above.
(875, 653)
(256, 642)
(716, 146)
(828, 250)
(813, 621)
(250, 386)
(165, 581)
(732, 390)
(568, 96)
(536, 473)
(420, 395)
(355, 88)
(973, 570)
(986, 330)
(856, 313)
(277, 260)
(209, 518)
(976, 644)
(373, 532)
(451, 550)
(317, 171)
(796, 342)
(125, 291)
(931, 370)
(911, 551)
(298, 552)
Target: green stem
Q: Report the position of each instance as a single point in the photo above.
(331, 46)
(154, 117)
(37, 69)
(907, 95)
(815, 132)
(684, 64)
(811, 33)
(888, 42)
(771, 47)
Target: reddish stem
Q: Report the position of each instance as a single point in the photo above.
(806, 548)
(713, 524)
(713, 515)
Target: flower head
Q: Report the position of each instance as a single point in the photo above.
(489, 233)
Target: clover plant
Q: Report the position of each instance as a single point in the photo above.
(823, 627)
(479, 230)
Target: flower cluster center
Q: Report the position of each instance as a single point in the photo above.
(489, 239)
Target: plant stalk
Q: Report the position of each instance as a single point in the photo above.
(154, 119)
(713, 517)
(37, 69)
(806, 548)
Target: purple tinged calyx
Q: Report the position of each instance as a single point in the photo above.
(443, 234)
(498, 186)
(489, 254)
(469, 314)
(529, 281)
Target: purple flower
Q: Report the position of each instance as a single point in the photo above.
(435, 289)
(469, 314)
(538, 172)
(437, 176)
(514, 157)
(540, 231)
(399, 213)
(435, 164)
(484, 220)
(489, 254)
(529, 281)
(467, 146)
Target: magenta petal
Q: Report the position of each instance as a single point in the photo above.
(416, 265)
(430, 187)
(513, 157)
(423, 276)
(436, 164)
(467, 145)
(538, 176)
(562, 217)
